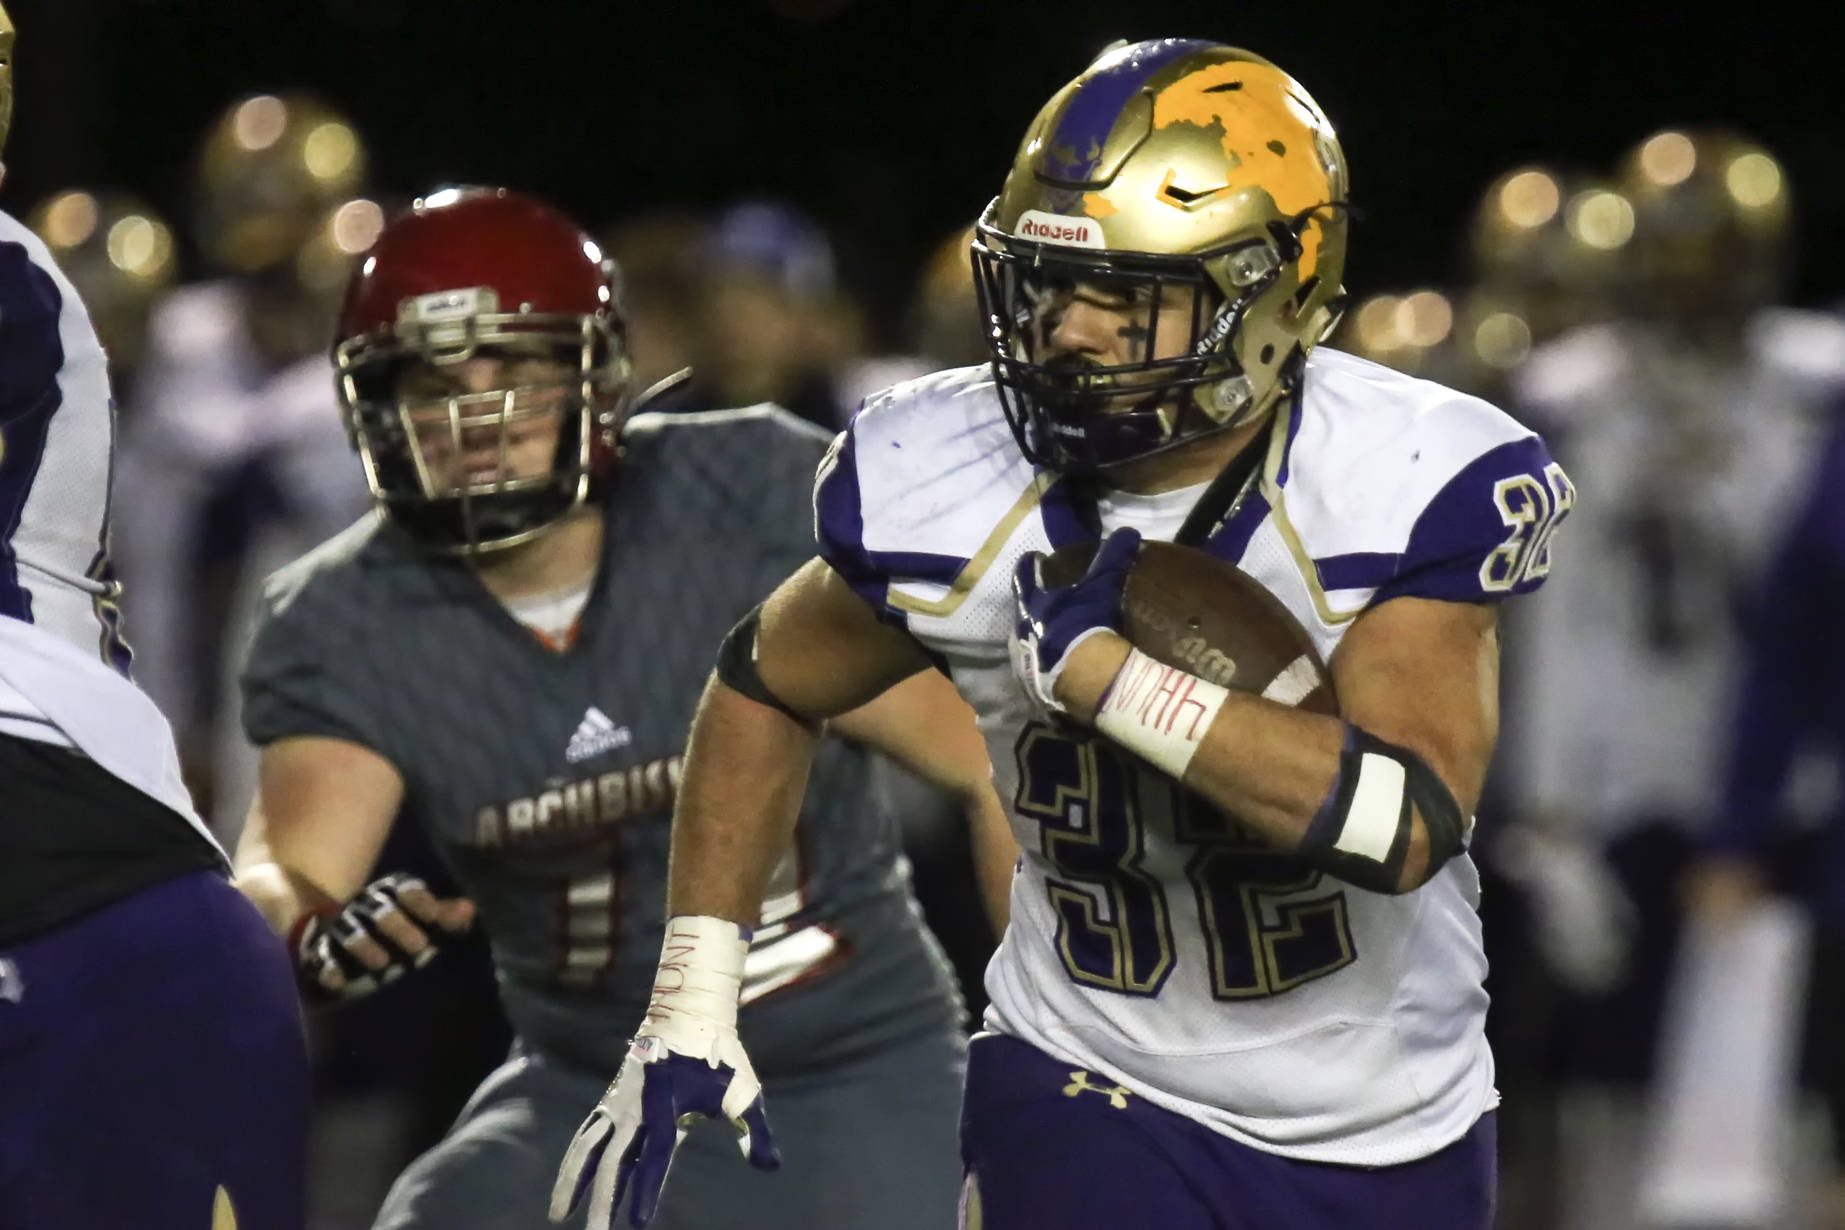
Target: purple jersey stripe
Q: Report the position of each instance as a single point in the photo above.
(1793, 680)
(1064, 522)
(1232, 538)
(31, 355)
(1074, 152)
(839, 525)
(1295, 410)
(1359, 570)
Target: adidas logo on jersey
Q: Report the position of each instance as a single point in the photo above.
(595, 735)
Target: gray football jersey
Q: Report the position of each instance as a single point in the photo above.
(546, 779)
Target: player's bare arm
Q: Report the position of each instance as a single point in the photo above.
(925, 726)
(819, 652)
(323, 809)
(321, 814)
(1413, 672)
(812, 651)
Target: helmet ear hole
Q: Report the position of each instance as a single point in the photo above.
(1287, 240)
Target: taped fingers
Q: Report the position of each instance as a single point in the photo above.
(387, 911)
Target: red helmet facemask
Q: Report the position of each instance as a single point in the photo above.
(482, 368)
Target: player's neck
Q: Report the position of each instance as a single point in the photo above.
(560, 558)
(1187, 465)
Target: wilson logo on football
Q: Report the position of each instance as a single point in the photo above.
(1040, 227)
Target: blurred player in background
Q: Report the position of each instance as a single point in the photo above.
(152, 1071)
(1695, 414)
(1280, 1017)
(772, 324)
(1542, 252)
(233, 461)
(944, 312)
(119, 255)
(509, 652)
(1792, 706)
(657, 258)
(1544, 248)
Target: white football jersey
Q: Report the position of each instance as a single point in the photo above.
(1150, 943)
(63, 664)
(1626, 667)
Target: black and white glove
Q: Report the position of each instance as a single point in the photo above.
(373, 940)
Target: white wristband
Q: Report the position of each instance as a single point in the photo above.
(700, 974)
(1159, 712)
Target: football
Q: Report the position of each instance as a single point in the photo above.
(1189, 609)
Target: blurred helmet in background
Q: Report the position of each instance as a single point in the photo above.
(944, 322)
(1711, 216)
(1556, 246)
(271, 167)
(6, 76)
(470, 274)
(773, 322)
(1166, 163)
(118, 253)
(657, 266)
(279, 204)
(1400, 329)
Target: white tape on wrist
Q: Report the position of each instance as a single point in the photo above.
(1159, 712)
(701, 972)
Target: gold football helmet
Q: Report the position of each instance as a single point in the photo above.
(1173, 162)
(271, 169)
(1711, 213)
(6, 76)
(118, 253)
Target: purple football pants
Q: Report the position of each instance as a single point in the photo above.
(1045, 1145)
(152, 1069)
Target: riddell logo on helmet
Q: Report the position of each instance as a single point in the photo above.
(447, 305)
(1036, 225)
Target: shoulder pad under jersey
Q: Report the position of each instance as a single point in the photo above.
(1394, 486)
(917, 482)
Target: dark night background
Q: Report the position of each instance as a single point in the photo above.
(894, 121)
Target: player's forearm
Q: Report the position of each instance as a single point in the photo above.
(1265, 763)
(279, 895)
(1274, 768)
(745, 772)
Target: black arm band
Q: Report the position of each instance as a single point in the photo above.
(736, 665)
(1363, 828)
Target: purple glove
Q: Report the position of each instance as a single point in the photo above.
(1053, 622)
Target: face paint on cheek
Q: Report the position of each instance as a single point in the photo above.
(1138, 338)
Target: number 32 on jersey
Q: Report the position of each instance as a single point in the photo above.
(1269, 922)
(1531, 509)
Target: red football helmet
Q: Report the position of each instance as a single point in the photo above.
(465, 275)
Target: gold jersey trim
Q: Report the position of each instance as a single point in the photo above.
(976, 568)
(1271, 491)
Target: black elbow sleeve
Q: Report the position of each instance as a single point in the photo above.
(736, 665)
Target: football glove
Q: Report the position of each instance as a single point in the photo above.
(372, 941)
(1052, 622)
(684, 1064)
